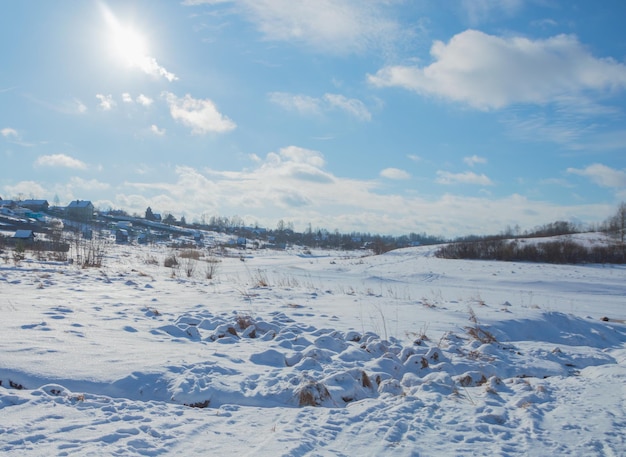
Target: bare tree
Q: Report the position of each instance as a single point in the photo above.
(617, 227)
(211, 267)
(618, 222)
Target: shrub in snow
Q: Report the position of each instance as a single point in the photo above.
(170, 261)
(312, 393)
(244, 321)
(471, 379)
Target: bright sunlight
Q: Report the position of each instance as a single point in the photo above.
(124, 43)
(129, 47)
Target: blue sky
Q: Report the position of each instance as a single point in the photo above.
(382, 116)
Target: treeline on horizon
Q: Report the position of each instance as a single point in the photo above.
(284, 234)
(512, 244)
(515, 247)
(509, 245)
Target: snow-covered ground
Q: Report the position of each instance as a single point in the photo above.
(401, 354)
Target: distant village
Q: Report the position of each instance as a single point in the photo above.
(30, 219)
(35, 225)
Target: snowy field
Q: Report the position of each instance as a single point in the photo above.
(402, 354)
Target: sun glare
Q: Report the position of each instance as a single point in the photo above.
(129, 45)
(125, 43)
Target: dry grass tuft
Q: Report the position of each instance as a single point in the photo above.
(199, 404)
(260, 280)
(468, 381)
(244, 321)
(482, 335)
(365, 380)
(15, 385)
(477, 332)
(190, 254)
(312, 394)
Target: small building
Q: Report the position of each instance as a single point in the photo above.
(121, 236)
(35, 205)
(80, 210)
(7, 204)
(126, 225)
(27, 236)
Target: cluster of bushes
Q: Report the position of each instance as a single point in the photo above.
(189, 259)
(562, 251)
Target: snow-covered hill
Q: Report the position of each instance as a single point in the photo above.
(322, 353)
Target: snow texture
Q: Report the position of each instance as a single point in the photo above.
(332, 353)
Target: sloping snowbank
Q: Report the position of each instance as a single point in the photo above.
(321, 354)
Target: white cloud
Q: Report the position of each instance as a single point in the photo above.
(75, 106)
(7, 132)
(302, 155)
(544, 23)
(474, 160)
(538, 127)
(150, 66)
(297, 165)
(91, 185)
(80, 106)
(296, 102)
(602, 175)
(351, 105)
(292, 184)
(126, 98)
(336, 26)
(394, 173)
(308, 105)
(156, 130)
(201, 115)
(491, 72)
(60, 160)
(481, 10)
(30, 189)
(468, 177)
(414, 157)
(144, 100)
(106, 101)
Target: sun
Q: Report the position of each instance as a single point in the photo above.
(129, 45)
(126, 44)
